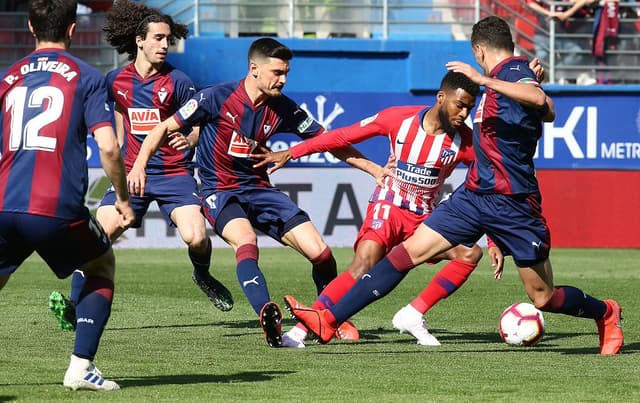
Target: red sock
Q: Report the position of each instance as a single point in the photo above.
(334, 291)
(445, 283)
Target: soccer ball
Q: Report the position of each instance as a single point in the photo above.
(521, 324)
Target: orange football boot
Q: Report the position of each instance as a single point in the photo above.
(313, 319)
(610, 329)
(347, 331)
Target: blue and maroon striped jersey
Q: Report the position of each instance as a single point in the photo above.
(231, 127)
(49, 100)
(505, 136)
(145, 102)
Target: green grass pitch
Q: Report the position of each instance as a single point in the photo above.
(165, 342)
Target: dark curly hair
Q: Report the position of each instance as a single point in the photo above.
(453, 81)
(126, 20)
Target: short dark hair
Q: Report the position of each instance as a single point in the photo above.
(493, 32)
(453, 80)
(126, 20)
(269, 47)
(51, 18)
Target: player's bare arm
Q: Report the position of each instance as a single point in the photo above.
(157, 136)
(111, 159)
(182, 143)
(119, 124)
(526, 94)
(550, 116)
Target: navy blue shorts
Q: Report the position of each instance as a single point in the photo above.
(514, 222)
(268, 209)
(63, 244)
(169, 192)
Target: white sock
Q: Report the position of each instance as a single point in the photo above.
(297, 334)
(79, 363)
(412, 311)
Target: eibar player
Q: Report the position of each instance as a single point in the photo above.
(234, 119)
(428, 143)
(500, 197)
(145, 92)
(48, 101)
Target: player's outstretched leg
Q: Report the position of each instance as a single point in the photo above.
(409, 320)
(82, 374)
(64, 310)
(271, 323)
(217, 293)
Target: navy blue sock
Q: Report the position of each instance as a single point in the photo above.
(380, 280)
(77, 284)
(201, 262)
(574, 302)
(92, 310)
(251, 278)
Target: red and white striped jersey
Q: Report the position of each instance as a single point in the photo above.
(424, 160)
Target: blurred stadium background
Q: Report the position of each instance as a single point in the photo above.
(355, 57)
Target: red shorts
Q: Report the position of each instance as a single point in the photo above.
(388, 225)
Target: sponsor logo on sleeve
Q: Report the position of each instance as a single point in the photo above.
(188, 109)
(305, 124)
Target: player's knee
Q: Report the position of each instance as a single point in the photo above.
(472, 255)
(360, 266)
(107, 217)
(195, 239)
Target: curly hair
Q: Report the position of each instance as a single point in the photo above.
(453, 81)
(127, 20)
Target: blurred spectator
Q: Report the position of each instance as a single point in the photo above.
(567, 22)
(83, 13)
(615, 28)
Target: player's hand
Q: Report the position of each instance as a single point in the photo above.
(537, 68)
(497, 261)
(127, 215)
(179, 141)
(136, 180)
(278, 158)
(388, 170)
(468, 70)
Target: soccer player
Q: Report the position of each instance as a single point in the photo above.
(428, 142)
(145, 92)
(500, 197)
(234, 119)
(49, 99)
